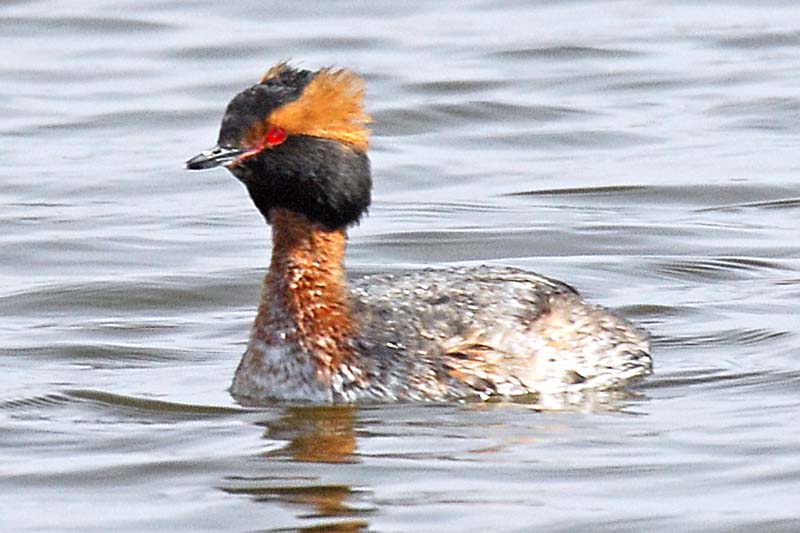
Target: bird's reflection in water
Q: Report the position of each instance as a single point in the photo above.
(316, 435)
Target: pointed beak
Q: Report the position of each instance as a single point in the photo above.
(214, 157)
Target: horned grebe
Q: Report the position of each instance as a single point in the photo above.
(298, 141)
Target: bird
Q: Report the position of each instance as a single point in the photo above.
(298, 141)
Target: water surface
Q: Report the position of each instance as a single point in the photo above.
(644, 152)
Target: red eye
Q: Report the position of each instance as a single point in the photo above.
(275, 135)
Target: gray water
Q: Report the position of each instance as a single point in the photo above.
(645, 152)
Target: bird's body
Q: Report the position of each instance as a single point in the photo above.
(297, 140)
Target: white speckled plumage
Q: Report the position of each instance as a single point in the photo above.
(460, 333)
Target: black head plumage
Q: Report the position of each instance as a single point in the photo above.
(297, 141)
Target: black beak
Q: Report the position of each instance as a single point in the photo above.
(214, 157)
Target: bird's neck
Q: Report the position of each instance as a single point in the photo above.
(305, 297)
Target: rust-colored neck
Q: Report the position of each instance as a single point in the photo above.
(304, 302)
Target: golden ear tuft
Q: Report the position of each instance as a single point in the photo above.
(331, 106)
(274, 71)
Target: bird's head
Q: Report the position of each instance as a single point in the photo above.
(298, 141)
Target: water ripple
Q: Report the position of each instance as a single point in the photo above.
(54, 26)
(132, 403)
(769, 113)
(761, 40)
(193, 294)
(707, 196)
(562, 53)
(734, 337)
(433, 117)
(721, 268)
